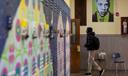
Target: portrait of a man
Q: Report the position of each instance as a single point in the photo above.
(102, 11)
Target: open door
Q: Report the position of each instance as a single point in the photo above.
(75, 45)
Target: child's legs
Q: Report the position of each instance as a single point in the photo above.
(91, 61)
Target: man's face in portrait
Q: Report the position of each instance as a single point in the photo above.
(102, 7)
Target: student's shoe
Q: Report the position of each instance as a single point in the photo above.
(88, 74)
(101, 72)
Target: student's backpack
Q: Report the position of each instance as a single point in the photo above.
(96, 43)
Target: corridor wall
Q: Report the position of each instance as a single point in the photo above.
(26, 45)
(58, 17)
(26, 50)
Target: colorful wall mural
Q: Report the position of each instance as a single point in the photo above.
(27, 48)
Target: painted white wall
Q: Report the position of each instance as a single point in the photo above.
(103, 27)
(106, 27)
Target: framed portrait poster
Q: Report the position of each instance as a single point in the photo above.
(124, 25)
(102, 10)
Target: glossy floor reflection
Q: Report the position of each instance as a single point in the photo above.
(106, 73)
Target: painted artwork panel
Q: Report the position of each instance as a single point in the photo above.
(102, 10)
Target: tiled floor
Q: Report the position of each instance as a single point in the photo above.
(106, 73)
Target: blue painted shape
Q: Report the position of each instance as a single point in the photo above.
(7, 8)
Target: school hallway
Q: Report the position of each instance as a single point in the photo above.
(47, 37)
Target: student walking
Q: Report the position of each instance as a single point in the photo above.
(92, 44)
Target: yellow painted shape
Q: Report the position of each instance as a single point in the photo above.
(23, 23)
(22, 10)
(46, 26)
(37, 72)
(46, 69)
(36, 14)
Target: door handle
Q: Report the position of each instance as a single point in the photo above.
(78, 48)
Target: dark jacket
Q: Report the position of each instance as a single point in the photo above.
(92, 42)
(94, 17)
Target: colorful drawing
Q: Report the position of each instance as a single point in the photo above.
(30, 48)
(23, 23)
(67, 49)
(24, 55)
(38, 61)
(36, 17)
(39, 4)
(41, 63)
(33, 66)
(4, 72)
(36, 72)
(60, 47)
(22, 11)
(18, 30)
(34, 5)
(46, 30)
(26, 70)
(44, 59)
(11, 54)
(18, 69)
(26, 2)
